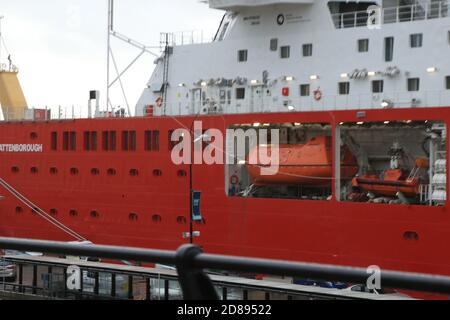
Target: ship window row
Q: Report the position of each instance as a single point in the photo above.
(109, 140)
(132, 216)
(413, 84)
(96, 171)
(285, 51)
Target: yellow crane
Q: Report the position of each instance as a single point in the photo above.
(12, 99)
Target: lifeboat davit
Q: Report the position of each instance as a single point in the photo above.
(307, 164)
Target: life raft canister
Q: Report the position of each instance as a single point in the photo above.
(159, 102)
(318, 95)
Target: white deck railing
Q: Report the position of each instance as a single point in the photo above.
(395, 100)
(416, 12)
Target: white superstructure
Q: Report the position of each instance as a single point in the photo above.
(304, 55)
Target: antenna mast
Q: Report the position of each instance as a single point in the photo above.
(111, 58)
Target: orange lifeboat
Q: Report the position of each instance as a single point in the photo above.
(394, 181)
(309, 164)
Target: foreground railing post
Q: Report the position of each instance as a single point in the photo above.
(196, 285)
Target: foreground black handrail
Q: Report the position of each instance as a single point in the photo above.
(196, 285)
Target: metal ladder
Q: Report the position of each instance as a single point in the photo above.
(165, 37)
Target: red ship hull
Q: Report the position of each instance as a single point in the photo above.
(148, 210)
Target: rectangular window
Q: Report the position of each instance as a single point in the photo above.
(307, 50)
(242, 55)
(171, 143)
(105, 140)
(65, 140)
(73, 141)
(148, 140)
(363, 45)
(125, 141)
(285, 52)
(377, 86)
(129, 140)
(305, 90)
(240, 93)
(344, 88)
(416, 40)
(87, 141)
(447, 82)
(389, 49)
(155, 141)
(133, 144)
(273, 44)
(413, 84)
(54, 141)
(90, 140)
(109, 141)
(112, 140)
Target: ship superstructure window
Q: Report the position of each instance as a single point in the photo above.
(242, 55)
(151, 140)
(389, 49)
(363, 45)
(240, 93)
(109, 140)
(285, 52)
(416, 40)
(307, 50)
(90, 140)
(69, 140)
(273, 44)
(305, 90)
(54, 140)
(344, 88)
(129, 140)
(447, 82)
(377, 86)
(413, 84)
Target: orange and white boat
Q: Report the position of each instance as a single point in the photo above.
(307, 164)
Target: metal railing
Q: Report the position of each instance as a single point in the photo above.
(408, 13)
(182, 38)
(395, 100)
(191, 262)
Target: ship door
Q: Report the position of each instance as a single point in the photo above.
(196, 104)
(256, 103)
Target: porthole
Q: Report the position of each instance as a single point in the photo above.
(94, 214)
(74, 171)
(182, 173)
(34, 210)
(111, 172)
(73, 213)
(181, 220)
(95, 172)
(15, 169)
(156, 218)
(411, 236)
(19, 210)
(157, 173)
(33, 135)
(53, 171)
(134, 172)
(34, 170)
(53, 212)
(133, 217)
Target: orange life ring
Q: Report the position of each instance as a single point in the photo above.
(318, 95)
(159, 102)
(234, 180)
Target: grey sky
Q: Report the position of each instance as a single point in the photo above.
(60, 45)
